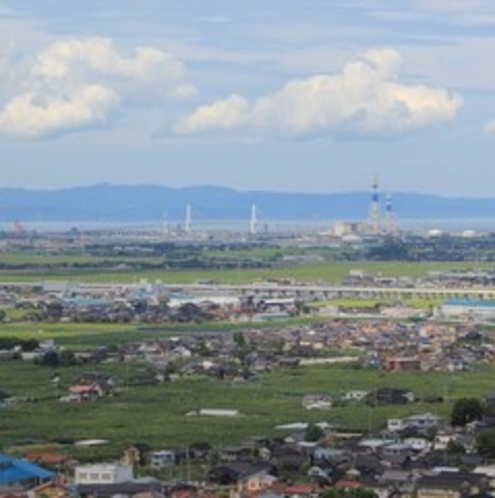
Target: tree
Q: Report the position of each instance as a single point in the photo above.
(466, 410)
(455, 448)
(454, 453)
(314, 433)
(54, 311)
(243, 347)
(239, 339)
(485, 443)
(389, 250)
(55, 359)
(49, 359)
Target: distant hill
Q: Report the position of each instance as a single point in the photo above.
(114, 203)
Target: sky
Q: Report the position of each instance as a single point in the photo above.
(282, 95)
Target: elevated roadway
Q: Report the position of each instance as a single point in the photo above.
(302, 291)
(336, 291)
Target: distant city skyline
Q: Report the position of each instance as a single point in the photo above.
(315, 96)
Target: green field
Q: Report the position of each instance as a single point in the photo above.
(72, 334)
(157, 414)
(85, 335)
(307, 272)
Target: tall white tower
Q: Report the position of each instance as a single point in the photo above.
(253, 222)
(389, 215)
(188, 221)
(166, 225)
(375, 207)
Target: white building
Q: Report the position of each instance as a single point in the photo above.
(162, 458)
(345, 228)
(424, 422)
(418, 443)
(317, 402)
(468, 308)
(103, 473)
(355, 395)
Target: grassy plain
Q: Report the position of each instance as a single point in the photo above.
(40, 259)
(157, 414)
(420, 303)
(83, 335)
(332, 271)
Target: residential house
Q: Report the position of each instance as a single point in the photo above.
(317, 402)
(389, 395)
(51, 489)
(442, 440)
(163, 458)
(242, 477)
(236, 454)
(51, 459)
(136, 454)
(187, 490)
(321, 473)
(402, 364)
(418, 424)
(417, 443)
(288, 458)
(90, 386)
(425, 422)
(295, 490)
(199, 450)
(396, 455)
(103, 473)
(141, 489)
(356, 395)
(450, 485)
(395, 478)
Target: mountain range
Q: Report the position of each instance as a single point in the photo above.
(131, 203)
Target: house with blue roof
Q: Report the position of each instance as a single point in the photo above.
(15, 471)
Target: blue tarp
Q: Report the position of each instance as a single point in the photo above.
(13, 470)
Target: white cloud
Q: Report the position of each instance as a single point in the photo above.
(365, 98)
(27, 116)
(100, 56)
(222, 114)
(458, 6)
(75, 83)
(184, 91)
(490, 127)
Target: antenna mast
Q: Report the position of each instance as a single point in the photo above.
(389, 215)
(374, 208)
(188, 222)
(253, 222)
